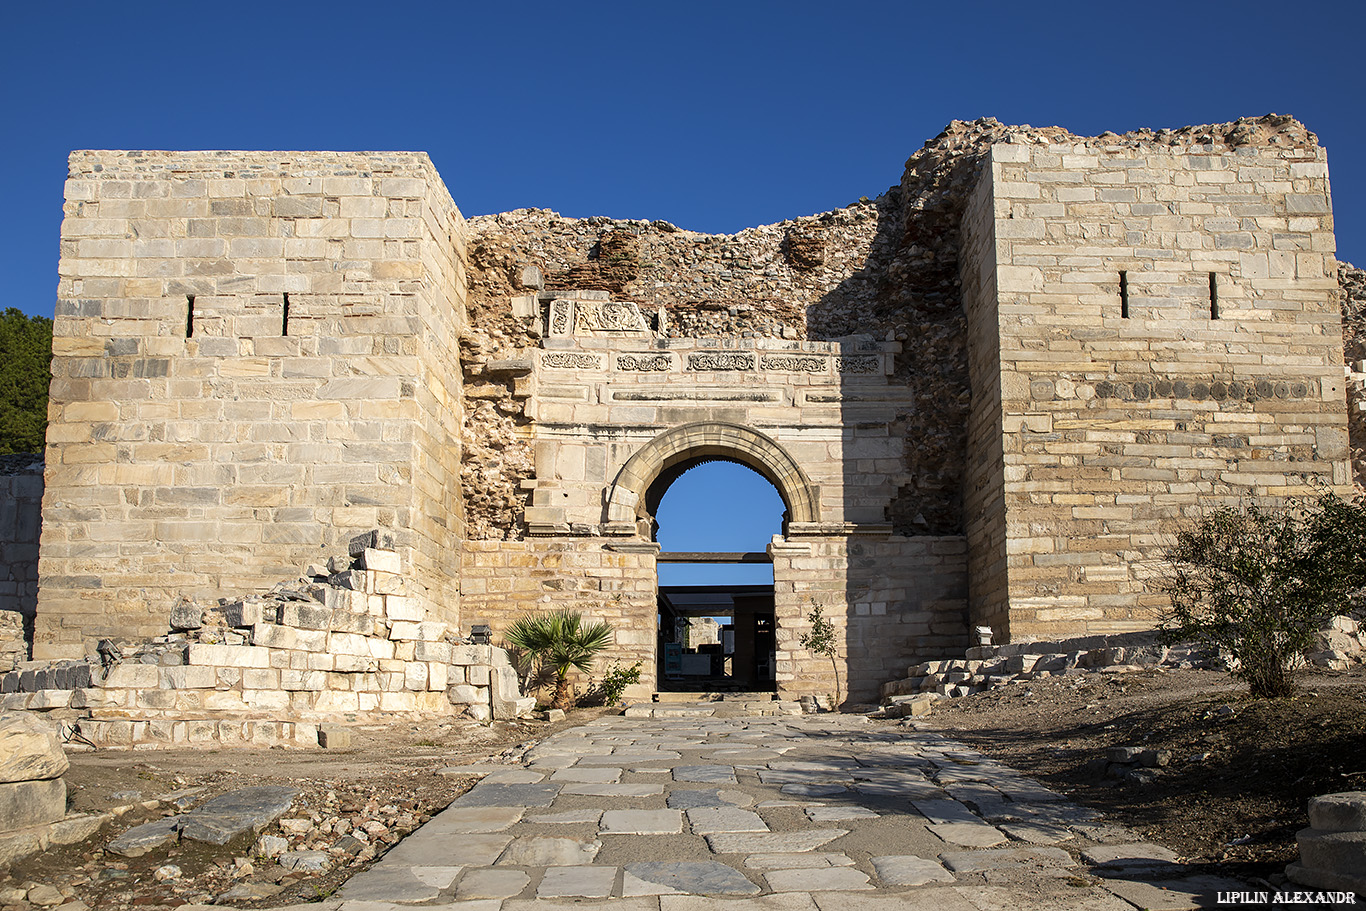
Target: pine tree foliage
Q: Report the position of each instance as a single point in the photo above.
(25, 371)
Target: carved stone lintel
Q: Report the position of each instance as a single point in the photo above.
(721, 360)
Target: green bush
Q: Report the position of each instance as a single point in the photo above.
(1259, 582)
(820, 640)
(614, 682)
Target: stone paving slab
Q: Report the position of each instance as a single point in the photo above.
(829, 879)
(693, 877)
(809, 859)
(485, 883)
(577, 882)
(550, 852)
(393, 882)
(478, 850)
(909, 870)
(773, 843)
(612, 790)
(642, 822)
(713, 797)
(695, 827)
(714, 820)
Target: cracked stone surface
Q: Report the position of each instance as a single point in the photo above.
(694, 877)
(719, 811)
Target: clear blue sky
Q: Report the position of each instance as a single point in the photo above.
(712, 115)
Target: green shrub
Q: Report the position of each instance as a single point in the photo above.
(1259, 582)
(820, 640)
(614, 682)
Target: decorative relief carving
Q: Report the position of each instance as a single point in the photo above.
(793, 363)
(608, 316)
(570, 360)
(720, 361)
(645, 363)
(859, 364)
(561, 317)
(1193, 388)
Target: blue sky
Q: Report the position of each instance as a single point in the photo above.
(712, 115)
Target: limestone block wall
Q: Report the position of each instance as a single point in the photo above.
(983, 483)
(1170, 339)
(893, 601)
(603, 580)
(254, 359)
(21, 503)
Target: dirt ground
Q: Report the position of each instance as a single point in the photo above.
(1242, 770)
(380, 788)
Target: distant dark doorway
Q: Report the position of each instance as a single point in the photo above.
(716, 624)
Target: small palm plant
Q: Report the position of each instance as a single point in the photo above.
(560, 641)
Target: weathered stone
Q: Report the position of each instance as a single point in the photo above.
(31, 803)
(688, 877)
(642, 822)
(223, 818)
(909, 870)
(1342, 812)
(774, 842)
(550, 852)
(30, 748)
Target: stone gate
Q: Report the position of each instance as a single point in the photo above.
(986, 397)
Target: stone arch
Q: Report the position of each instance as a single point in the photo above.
(701, 441)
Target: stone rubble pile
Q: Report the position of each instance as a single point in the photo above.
(32, 792)
(344, 641)
(1333, 848)
(1341, 644)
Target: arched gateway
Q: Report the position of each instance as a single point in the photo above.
(617, 414)
(629, 501)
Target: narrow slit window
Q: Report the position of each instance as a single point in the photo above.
(189, 316)
(1213, 295)
(1124, 295)
(284, 317)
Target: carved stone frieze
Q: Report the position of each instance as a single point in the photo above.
(721, 360)
(862, 363)
(570, 360)
(608, 316)
(794, 363)
(561, 317)
(645, 363)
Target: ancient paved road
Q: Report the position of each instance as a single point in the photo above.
(827, 813)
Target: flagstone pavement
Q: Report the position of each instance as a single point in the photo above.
(691, 812)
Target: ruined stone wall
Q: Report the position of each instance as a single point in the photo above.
(21, 503)
(603, 580)
(1219, 379)
(984, 506)
(254, 359)
(1353, 283)
(890, 600)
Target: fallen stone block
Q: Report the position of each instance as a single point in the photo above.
(30, 749)
(1342, 812)
(31, 803)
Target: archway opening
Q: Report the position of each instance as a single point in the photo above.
(713, 519)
